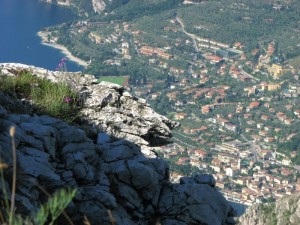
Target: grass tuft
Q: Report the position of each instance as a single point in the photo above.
(53, 99)
(45, 97)
(49, 212)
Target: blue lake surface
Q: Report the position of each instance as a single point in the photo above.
(20, 20)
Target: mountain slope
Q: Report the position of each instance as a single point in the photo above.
(116, 183)
(251, 24)
(285, 211)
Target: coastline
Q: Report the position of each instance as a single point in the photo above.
(64, 50)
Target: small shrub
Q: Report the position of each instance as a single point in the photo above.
(267, 211)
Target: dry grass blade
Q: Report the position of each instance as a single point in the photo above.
(3, 166)
(2, 217)
(86, 221)
(13, 192)
(111, 217)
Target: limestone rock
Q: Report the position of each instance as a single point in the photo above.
(107, 107)
(98, 5)
(112, 175)
(103, 138)
(199, 179)
(193, 204)
(2, 111)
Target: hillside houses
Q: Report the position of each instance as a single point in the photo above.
(150, 51)
(231, 109)
(224, 123)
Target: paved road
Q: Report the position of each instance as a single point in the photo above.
(190, 68)
(247, 74)
(255, 149)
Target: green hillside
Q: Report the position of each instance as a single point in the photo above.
(252, 23)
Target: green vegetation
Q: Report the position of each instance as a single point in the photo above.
(54, 207)
(53, 99)
(135, 9)
(288, 147)
(48, 213)
(253, 23)
(113, 79)
(268, 213)
(247, 22)
(295, 62)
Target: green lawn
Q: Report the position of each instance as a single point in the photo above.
(116, 80)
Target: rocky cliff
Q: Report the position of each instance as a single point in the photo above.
(108, 107)
(96, 5)
(117, 171)
(285, 211)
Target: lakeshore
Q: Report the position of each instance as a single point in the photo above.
(63, 49)
(21, 20)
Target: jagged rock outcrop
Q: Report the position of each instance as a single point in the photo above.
(59, 2)
(285, 211)
(108, 107)
(109, 173)
(98, 5)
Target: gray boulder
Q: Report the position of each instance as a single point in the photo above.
(193, 204)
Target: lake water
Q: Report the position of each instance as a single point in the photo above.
(20, 20)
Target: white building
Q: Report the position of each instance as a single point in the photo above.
(232, 172)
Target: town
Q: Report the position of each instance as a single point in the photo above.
(239, 109)
(238, 131)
